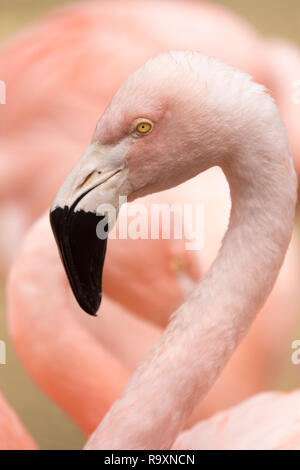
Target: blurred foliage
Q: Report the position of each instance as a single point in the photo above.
(51, 429)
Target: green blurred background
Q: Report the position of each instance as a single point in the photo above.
(48, 425)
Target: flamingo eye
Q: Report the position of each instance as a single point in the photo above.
(144, 127)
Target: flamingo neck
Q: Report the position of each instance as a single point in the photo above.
(204, 332)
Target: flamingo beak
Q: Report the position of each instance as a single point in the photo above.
(81, 216)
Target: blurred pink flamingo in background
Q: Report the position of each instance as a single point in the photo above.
(269, 421)
(13, 435)
(29, 285)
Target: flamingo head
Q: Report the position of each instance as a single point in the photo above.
(147, 140)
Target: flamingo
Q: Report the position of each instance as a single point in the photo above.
(223, 431)
(283, 60)
(13, 435)
(52, 361)
(268, 421)
(55, 56)
(175, 117)
(57, 105)
(56, 362)
(57, 101)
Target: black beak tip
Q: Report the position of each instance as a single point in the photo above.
(92, 314)
(82, 253)
(92, 306)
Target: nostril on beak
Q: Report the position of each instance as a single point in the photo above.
(85, 180)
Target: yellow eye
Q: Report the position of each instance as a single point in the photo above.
(144, 127)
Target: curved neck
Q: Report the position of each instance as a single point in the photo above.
(205, 331)
(263, 195)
